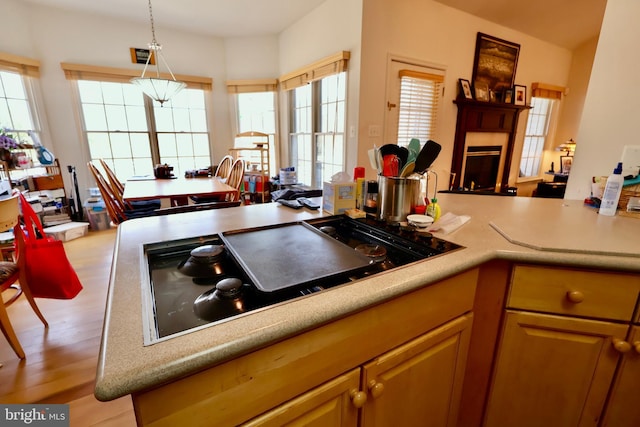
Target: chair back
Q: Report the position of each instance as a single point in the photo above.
(236, 175)
(114, 207)
(224, 167)
(9, 212)
(116, 186)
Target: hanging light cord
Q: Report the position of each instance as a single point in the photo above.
(153, 29)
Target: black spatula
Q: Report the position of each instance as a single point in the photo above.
(427, 156)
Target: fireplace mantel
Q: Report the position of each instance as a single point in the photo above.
(481, 116)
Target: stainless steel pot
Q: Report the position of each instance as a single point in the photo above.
(397, 197)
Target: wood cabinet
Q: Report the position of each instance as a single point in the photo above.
(402, 359)
(564, 349)
(332, 404)
(622, 409)
(418, 383)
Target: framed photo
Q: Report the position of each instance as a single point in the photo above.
(520, 95)
(565, 164)
(508, 96)
(465, 88)
(495, 62)
(482, 91)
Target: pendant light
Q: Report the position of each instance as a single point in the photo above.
(155, 87)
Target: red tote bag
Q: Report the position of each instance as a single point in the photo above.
(48, 271)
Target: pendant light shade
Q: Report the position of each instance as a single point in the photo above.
(157, 88)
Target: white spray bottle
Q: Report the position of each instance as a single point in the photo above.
(612, 190)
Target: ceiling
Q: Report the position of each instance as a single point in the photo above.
(220, 18)
(566, 23)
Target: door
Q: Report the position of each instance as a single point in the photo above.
(327, 405)
(552, 371)
(419, 383)
(623, 409)
(414, 97)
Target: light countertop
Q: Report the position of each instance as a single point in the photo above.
(549, 231)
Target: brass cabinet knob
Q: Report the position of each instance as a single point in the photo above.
(358, 398)
(376, 388)
(636, 346)
(621, 346)
(575, 297)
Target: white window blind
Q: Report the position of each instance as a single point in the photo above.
(420, 95)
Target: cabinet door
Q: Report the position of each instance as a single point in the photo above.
(419, 383)
(552, 371)
(327, 405)
(623, 409)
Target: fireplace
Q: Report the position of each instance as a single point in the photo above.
(483, 161)
(483, 145)
(481, 167)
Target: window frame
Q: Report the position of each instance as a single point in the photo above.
(316, 134)
(311, 74)
(237, 88)
(77, 72)
(28, 70)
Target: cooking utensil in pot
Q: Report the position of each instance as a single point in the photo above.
(391, 165)
(414, 150)
(372, 158)
(427, 156)
(379, 161)
(401, 152)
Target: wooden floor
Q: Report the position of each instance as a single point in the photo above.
(61, 361)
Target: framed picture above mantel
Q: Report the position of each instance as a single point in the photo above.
(495, 63)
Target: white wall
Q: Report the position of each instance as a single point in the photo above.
(431, 32)
(333, 26)
(612, 104)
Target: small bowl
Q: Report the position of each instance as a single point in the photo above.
(419, 221)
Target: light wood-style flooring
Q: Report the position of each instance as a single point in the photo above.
(61, 361)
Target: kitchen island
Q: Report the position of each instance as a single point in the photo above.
(502, 231)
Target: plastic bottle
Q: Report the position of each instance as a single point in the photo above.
(433, 210)
(612, 191)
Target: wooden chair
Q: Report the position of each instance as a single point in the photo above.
(117, 210)
(12, 272)
(236, 175)
(114, 182)
(224, 167)
(234, 172)
(118, 191)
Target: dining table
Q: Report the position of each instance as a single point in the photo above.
(177, 190)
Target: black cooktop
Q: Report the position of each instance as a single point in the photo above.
(174, 293)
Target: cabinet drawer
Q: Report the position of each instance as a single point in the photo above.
(48, 182)
(574, 292)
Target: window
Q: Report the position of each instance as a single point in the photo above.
(131, 132)
(317, 132)
(414, 96)
(256, 112)
(17, 108)
(301, 136)
(535, 136)
(317, 118)
(544, 105)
